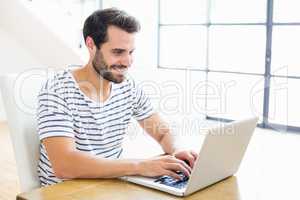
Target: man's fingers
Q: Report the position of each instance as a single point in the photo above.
(186, 165)
(172, 174)
(176, 160)
(194, 154)
(190, 158)
(177, 167)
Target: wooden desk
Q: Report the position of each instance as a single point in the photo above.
(116, 189)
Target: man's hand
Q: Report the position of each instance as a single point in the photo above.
(189, 156)
(163, 165)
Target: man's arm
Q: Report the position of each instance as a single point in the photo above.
(160, 131)
(70, 163)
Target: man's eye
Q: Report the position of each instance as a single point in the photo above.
(117, 52)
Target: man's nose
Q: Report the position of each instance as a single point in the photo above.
(127, 60)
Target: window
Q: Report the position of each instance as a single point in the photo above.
(248, 49)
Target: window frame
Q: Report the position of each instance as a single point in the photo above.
(269, 24)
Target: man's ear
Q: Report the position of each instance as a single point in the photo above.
(89, 42)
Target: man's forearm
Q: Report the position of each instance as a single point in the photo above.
(160, 131)
(82, 165)
(167, 142)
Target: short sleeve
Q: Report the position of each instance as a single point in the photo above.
(53, 116)
(142, 107)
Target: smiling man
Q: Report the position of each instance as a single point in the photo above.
(83, 114)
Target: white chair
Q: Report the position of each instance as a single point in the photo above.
(19, 94)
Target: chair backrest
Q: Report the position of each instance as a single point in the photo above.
(19, 93)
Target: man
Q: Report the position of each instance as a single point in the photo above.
(83, 114)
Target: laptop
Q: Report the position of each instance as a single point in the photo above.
(220, 156)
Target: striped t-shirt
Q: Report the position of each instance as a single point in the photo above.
(97, 127)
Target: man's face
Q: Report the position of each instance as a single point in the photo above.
(114, 57)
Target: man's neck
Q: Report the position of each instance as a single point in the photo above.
(92, 84)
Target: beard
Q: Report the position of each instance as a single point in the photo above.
(103, 69)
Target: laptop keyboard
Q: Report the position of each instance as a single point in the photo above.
(169, 181)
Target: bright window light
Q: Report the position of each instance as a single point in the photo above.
(237, 11)
(234, 96)
(237, 48)
(285, 50)
(183, 12)
(286, 11)
(183, 46)
(284, 101)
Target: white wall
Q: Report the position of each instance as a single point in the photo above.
(14, 56)
(33, 31)
(28, 41)
(14, 59)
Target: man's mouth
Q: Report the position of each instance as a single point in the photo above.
(120, 69)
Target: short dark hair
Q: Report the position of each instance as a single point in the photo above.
(97, 23)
